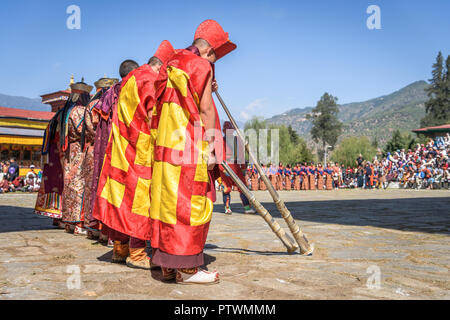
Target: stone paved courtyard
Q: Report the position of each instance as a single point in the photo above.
(402, 236)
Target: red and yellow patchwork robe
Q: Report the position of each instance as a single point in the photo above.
(123, 194)
(182, 189)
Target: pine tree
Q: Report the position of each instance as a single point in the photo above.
(326, 126)
(438, 105)
(399, 141)
(446, 86)
(293, 134)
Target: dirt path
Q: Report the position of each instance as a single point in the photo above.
(369, 245)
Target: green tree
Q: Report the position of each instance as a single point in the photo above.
(349, 149)
(400, 141)
(256, 123)
(292, 148)
(293, 134)
(326, 127)
(438, 106)
(375, 142)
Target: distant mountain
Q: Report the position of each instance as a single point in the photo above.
(23, 103)
(375, 118)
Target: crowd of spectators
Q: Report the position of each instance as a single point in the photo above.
(11, 181)
(424, 167)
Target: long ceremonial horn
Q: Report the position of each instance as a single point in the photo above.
(287, 241)
(305, 247)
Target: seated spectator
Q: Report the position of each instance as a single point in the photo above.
(31, 183)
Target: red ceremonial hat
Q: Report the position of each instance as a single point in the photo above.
(165, 51)
(212, 32)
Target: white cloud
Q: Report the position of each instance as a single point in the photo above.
(253, 108)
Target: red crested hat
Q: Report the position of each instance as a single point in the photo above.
(212, 32)
(165, 51)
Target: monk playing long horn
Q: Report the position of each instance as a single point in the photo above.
(235, 159)
(185, 126)
(123, 194)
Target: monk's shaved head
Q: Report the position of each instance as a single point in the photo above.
(205, 49)
(154, 62)
(201, 43)
(126, 67)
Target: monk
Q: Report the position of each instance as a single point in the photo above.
(123, 194)
(187, 138)
(237, 165)
(104, 109)
(88, 134)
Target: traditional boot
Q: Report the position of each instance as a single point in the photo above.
(120, 252)
(93, 234)
(80, 231)
(56, 222)
(196, 276)
(103, 238)
(61, 225)
(168, 273)
(138, 259)
(70, 228)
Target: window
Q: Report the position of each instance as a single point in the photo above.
(4, 155)
(26, 155)
(36, 156)
(15, 154)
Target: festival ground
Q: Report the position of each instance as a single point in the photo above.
(403, 234)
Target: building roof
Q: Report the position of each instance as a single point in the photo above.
(25, 114)
(443, 128)
(21, 132)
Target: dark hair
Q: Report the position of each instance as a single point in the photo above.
(126, 67)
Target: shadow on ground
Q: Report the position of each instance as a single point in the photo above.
(14, 219)
(430, 215)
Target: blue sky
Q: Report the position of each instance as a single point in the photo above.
(289, 52)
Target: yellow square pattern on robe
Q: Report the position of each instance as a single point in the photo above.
(201, 210)
(201, 170)
(164, 192)
(113, 191)
(119, 145)
(177, 79)
(172, 126)
(143, 150)
(128, 101)
(141, 202)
